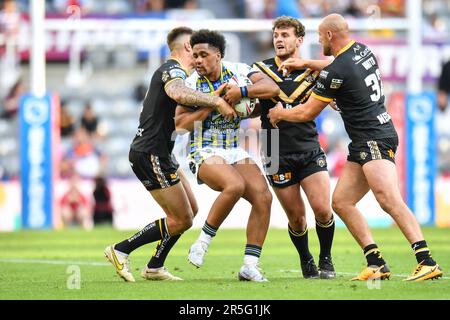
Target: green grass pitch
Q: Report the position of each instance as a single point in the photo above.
(39, 265)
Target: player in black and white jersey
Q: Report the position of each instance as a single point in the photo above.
(301, 160)
(151, 160)
(353, 79)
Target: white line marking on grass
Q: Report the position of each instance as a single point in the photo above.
(354, 274)
(55, 262)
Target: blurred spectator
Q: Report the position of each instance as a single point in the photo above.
(180, 4)
(142, 6)
(444, 87)
(12, 99)
(75, 206)
(67, 121)
(89, 120)
(353, 10)
(103, 209)
(83, 158)
(9, 18)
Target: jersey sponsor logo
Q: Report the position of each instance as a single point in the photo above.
(362, 54)
(177, 73)
(139, 132)
(336, 83)
(391, 153)
(363, 155)
(320, 85)
(369, 63)
(282, 177)
(165, 76)
(174, 176)
(323, 74)
(383, 118)
(356, 48)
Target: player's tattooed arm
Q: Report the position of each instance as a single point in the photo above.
(179, 92)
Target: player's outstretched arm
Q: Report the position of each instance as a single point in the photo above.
(185, 117)
(292, 64)
(301, 113)
(263, 87)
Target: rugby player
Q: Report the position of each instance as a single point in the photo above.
(302, 162)
(215, 156)
(353, 79)
(151, 160)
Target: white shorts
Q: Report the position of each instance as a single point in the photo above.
(231, 156)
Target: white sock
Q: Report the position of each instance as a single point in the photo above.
(250, 260)
(204, 237)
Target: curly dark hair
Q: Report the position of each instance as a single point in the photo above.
(288, 22)
(213, 38)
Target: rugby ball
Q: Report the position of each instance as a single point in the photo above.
(246, 105)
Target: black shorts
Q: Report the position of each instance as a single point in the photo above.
(363, 152)
(293, 168)
(154, 172)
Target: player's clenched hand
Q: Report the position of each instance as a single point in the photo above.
(223, 107)
(275, 114)
(291, 64)
(233, 94)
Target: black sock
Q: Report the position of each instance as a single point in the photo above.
(209, 229)
(325, 233)
(373, 255)
(154, 231)
(300, 241)
(253, 250)
(162, 250)
(423, 253)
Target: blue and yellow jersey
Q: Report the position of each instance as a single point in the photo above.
(216, 131)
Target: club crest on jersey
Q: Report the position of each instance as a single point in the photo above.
(336, 83)
(310, 78)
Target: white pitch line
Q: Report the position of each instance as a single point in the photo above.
(55, 262)
(353, 274)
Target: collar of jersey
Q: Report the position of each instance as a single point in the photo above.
(347, 46)
(211, 86)
(175, 59)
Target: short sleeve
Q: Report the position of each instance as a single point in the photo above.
(172, 72)
(327, 85)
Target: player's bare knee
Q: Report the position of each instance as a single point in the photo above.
(298, 223)
(263, 198)
(387, 202)
(185, 222)
(235, 189)
(322, 213)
